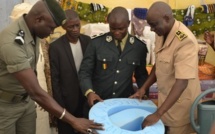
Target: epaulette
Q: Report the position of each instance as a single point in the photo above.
(97, 35)
(20, 37)
(140, 39)
(181, 36)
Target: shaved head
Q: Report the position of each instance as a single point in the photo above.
(71, 14)
(118, 14)
(160, 18)
(118, 20)
(160, 8)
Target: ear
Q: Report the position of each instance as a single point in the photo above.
(64, 26)
(39, 18)
(166, 17)
(128, 23)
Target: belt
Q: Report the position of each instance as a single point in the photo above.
(10, 97)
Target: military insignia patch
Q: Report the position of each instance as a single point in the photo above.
(180, 35)
(20, 37)
(109, 38)
(131, 40)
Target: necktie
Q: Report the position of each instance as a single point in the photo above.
(119, 46)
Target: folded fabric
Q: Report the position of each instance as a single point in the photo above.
(96, 7)
(189, 17)
(87, 14)
(140, 13)
(208, 8)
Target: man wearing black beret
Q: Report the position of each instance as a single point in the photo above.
(19, 51)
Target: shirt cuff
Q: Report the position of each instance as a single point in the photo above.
(88, 91)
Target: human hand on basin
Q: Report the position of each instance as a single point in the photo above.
(92, 98)
(85, 126)
(139, 94)
(151, 119)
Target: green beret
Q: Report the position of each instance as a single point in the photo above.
(56, 11)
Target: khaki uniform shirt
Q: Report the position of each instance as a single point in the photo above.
(177, 58)
(15, 57)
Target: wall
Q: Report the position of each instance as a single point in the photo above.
(6, 7)
(175, 4)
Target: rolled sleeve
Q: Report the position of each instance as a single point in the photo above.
(15, 58)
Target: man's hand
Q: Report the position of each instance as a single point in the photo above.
(151, 119)
(93, 97)
(209, 38)
(139, 94)
(86, 126)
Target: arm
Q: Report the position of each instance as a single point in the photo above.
(19, 66)
(54, 69)
(140, 72)
(185, 68)
(86, 74)
(209, 38)
(176, 91)
(149, 81)
(29, 81)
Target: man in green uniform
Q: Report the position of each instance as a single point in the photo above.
(18, 82)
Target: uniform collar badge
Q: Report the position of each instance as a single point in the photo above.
(131, 40)
(20, 37)
(109, 38)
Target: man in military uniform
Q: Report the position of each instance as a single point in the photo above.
(110, 61)
(175, 71)
(18, 82)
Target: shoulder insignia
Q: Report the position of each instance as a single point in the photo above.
(109, 38)
(20, 37)
(97, 35)
(181, 36)
(131, 40)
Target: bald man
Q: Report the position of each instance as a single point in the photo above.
(19, 51)
(66, 54)
(110, 61)
(175, 71)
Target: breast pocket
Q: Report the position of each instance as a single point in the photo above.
(104, 62)
(164, 65)
(133, 63)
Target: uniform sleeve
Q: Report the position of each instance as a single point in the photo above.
(14, 57)
(55, 75)
(186, 61)
(87, 67)
(141, 73)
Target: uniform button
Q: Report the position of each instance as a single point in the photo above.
(104, 59)
(114, 93)
(115, 82)
(133, 63)
(117, 71)
(120, 60)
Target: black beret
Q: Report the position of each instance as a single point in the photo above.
(56, 11)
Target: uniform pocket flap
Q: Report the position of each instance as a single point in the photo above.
(104, 58)
(133, 61)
